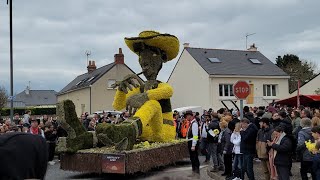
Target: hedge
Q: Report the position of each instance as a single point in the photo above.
(34, 111)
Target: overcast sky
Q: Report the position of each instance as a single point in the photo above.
(51, 37)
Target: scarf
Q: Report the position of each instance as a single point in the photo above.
(34, 130)
(277, 141)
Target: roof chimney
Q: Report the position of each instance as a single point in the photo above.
(119, 58)
(91, 67)
(185, 45)
(253, 48)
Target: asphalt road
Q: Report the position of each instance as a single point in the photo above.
(180, 171)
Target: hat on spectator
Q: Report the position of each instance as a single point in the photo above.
(189, 112)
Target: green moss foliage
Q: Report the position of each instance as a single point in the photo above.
(117, 132)
(67, 114)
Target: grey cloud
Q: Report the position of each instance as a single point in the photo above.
(50, 37)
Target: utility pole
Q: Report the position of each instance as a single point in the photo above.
(247, 39)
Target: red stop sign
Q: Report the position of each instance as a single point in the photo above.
(241, 89)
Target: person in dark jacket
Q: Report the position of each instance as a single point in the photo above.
(212, 139)
(85, 121)
(51, 137)
(248, 146)
(283, 146)
(23, 156)
(287, 126)
(247, 114)
(227, 148)
(285, 123)
(316, 161)
(258, 118)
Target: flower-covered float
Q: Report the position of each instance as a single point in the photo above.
(145, 140)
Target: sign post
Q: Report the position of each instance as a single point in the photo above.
(241, 90)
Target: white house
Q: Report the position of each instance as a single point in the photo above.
(204, 77)
(91, 91)
(310, 87)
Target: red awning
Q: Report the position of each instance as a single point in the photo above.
(305, 100)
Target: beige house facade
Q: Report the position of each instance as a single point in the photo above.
(205, 77)
(91, 92)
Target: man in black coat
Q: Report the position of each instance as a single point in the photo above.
(213, 141)
(23, 156)
(248, 146)
(285, 123)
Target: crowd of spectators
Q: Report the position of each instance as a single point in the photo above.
(274, 136)
(43, 126)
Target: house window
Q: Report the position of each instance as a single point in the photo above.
(269, 90)
(214, 60)
(110, 82)
(226, 90)
(255, 61)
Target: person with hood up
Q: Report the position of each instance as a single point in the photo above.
(306, 161)
(282, 146)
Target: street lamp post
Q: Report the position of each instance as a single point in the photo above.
(11, 60)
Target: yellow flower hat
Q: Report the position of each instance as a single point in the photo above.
(166, 42)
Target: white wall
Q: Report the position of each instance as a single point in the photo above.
(190, 83)
(310, 87)
(258, 82)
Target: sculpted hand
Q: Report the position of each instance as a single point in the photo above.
(135, 102)
(127, 83)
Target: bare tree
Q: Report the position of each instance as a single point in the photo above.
(3, 97)
(297, 69)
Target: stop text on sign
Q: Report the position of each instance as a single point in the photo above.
(241, 90)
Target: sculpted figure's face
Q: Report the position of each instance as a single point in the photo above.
(150, 60)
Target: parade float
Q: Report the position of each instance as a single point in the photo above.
(144, 141)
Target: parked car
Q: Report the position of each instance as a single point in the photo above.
(114, 113)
